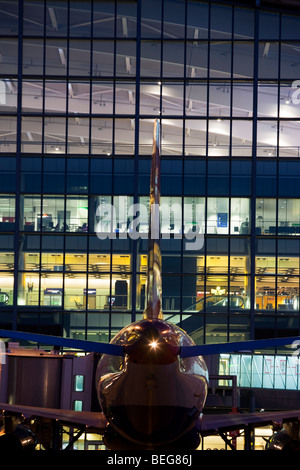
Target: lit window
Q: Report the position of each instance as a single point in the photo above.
(79, 383)
(77, 405)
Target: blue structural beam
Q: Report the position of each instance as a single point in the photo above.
(69, 343)
(239, 346)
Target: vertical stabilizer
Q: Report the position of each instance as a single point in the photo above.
(154, 282)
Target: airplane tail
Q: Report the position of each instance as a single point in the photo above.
(153, 308)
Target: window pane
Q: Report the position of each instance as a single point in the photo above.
(124, 136)
(288, 293)
(172, 98)
(221, 21)
(196, 59)
(103, 62)
(196, 99)
(171, 136)
(240, 216)
(80, 18)
(76, 213)
(217, 215)
(288, 58)
(78, 405)
(150, 58)
(265, 293)
(54, 134)
(125, 98)
(195, 136)
(267, 135)
(102, 97)
(239, 295)
(33, 23)
(79, 57)
(217, 294)
(268, 60)
(219, 137)
(194, 215)
(125, 58)
(288, 216)
(52, 217)
(78, 135)
(289, 141)
(173, 59)
(239, 256)
(243, 23)
(78, 97)
(242, 99)
(78, 383)
(197, 20)
(267, 99)
(243, 59)
(219, 99)
(104, 19)
(241, 138)
(56, 57)
(32, 207)
(8, 132)
(9, 17)
(55, 96)
(220, 59)
(151, 18)
(57, 18)
(126, 18)
(174, 18)
(101, 136)
(265, 216)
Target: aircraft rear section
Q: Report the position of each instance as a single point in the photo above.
(152, 432)
(152, 397)
(153, 417)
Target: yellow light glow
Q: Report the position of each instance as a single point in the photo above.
(153, 344)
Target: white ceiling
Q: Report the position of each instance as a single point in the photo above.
(167, 99)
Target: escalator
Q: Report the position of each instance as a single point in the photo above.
(191, 321)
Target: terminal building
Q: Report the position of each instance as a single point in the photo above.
(81, 83)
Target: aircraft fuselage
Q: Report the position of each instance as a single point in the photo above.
(151, 396)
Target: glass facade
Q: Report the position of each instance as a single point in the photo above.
(261, 371)
(81, 83)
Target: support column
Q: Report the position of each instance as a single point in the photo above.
(249, 438)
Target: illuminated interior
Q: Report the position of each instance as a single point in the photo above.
(76, 123)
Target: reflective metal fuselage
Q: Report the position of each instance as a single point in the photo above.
(152, 396)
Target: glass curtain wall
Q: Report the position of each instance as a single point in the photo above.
(81, 83)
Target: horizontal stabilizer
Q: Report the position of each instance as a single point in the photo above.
(223, 348)
(87, 346)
